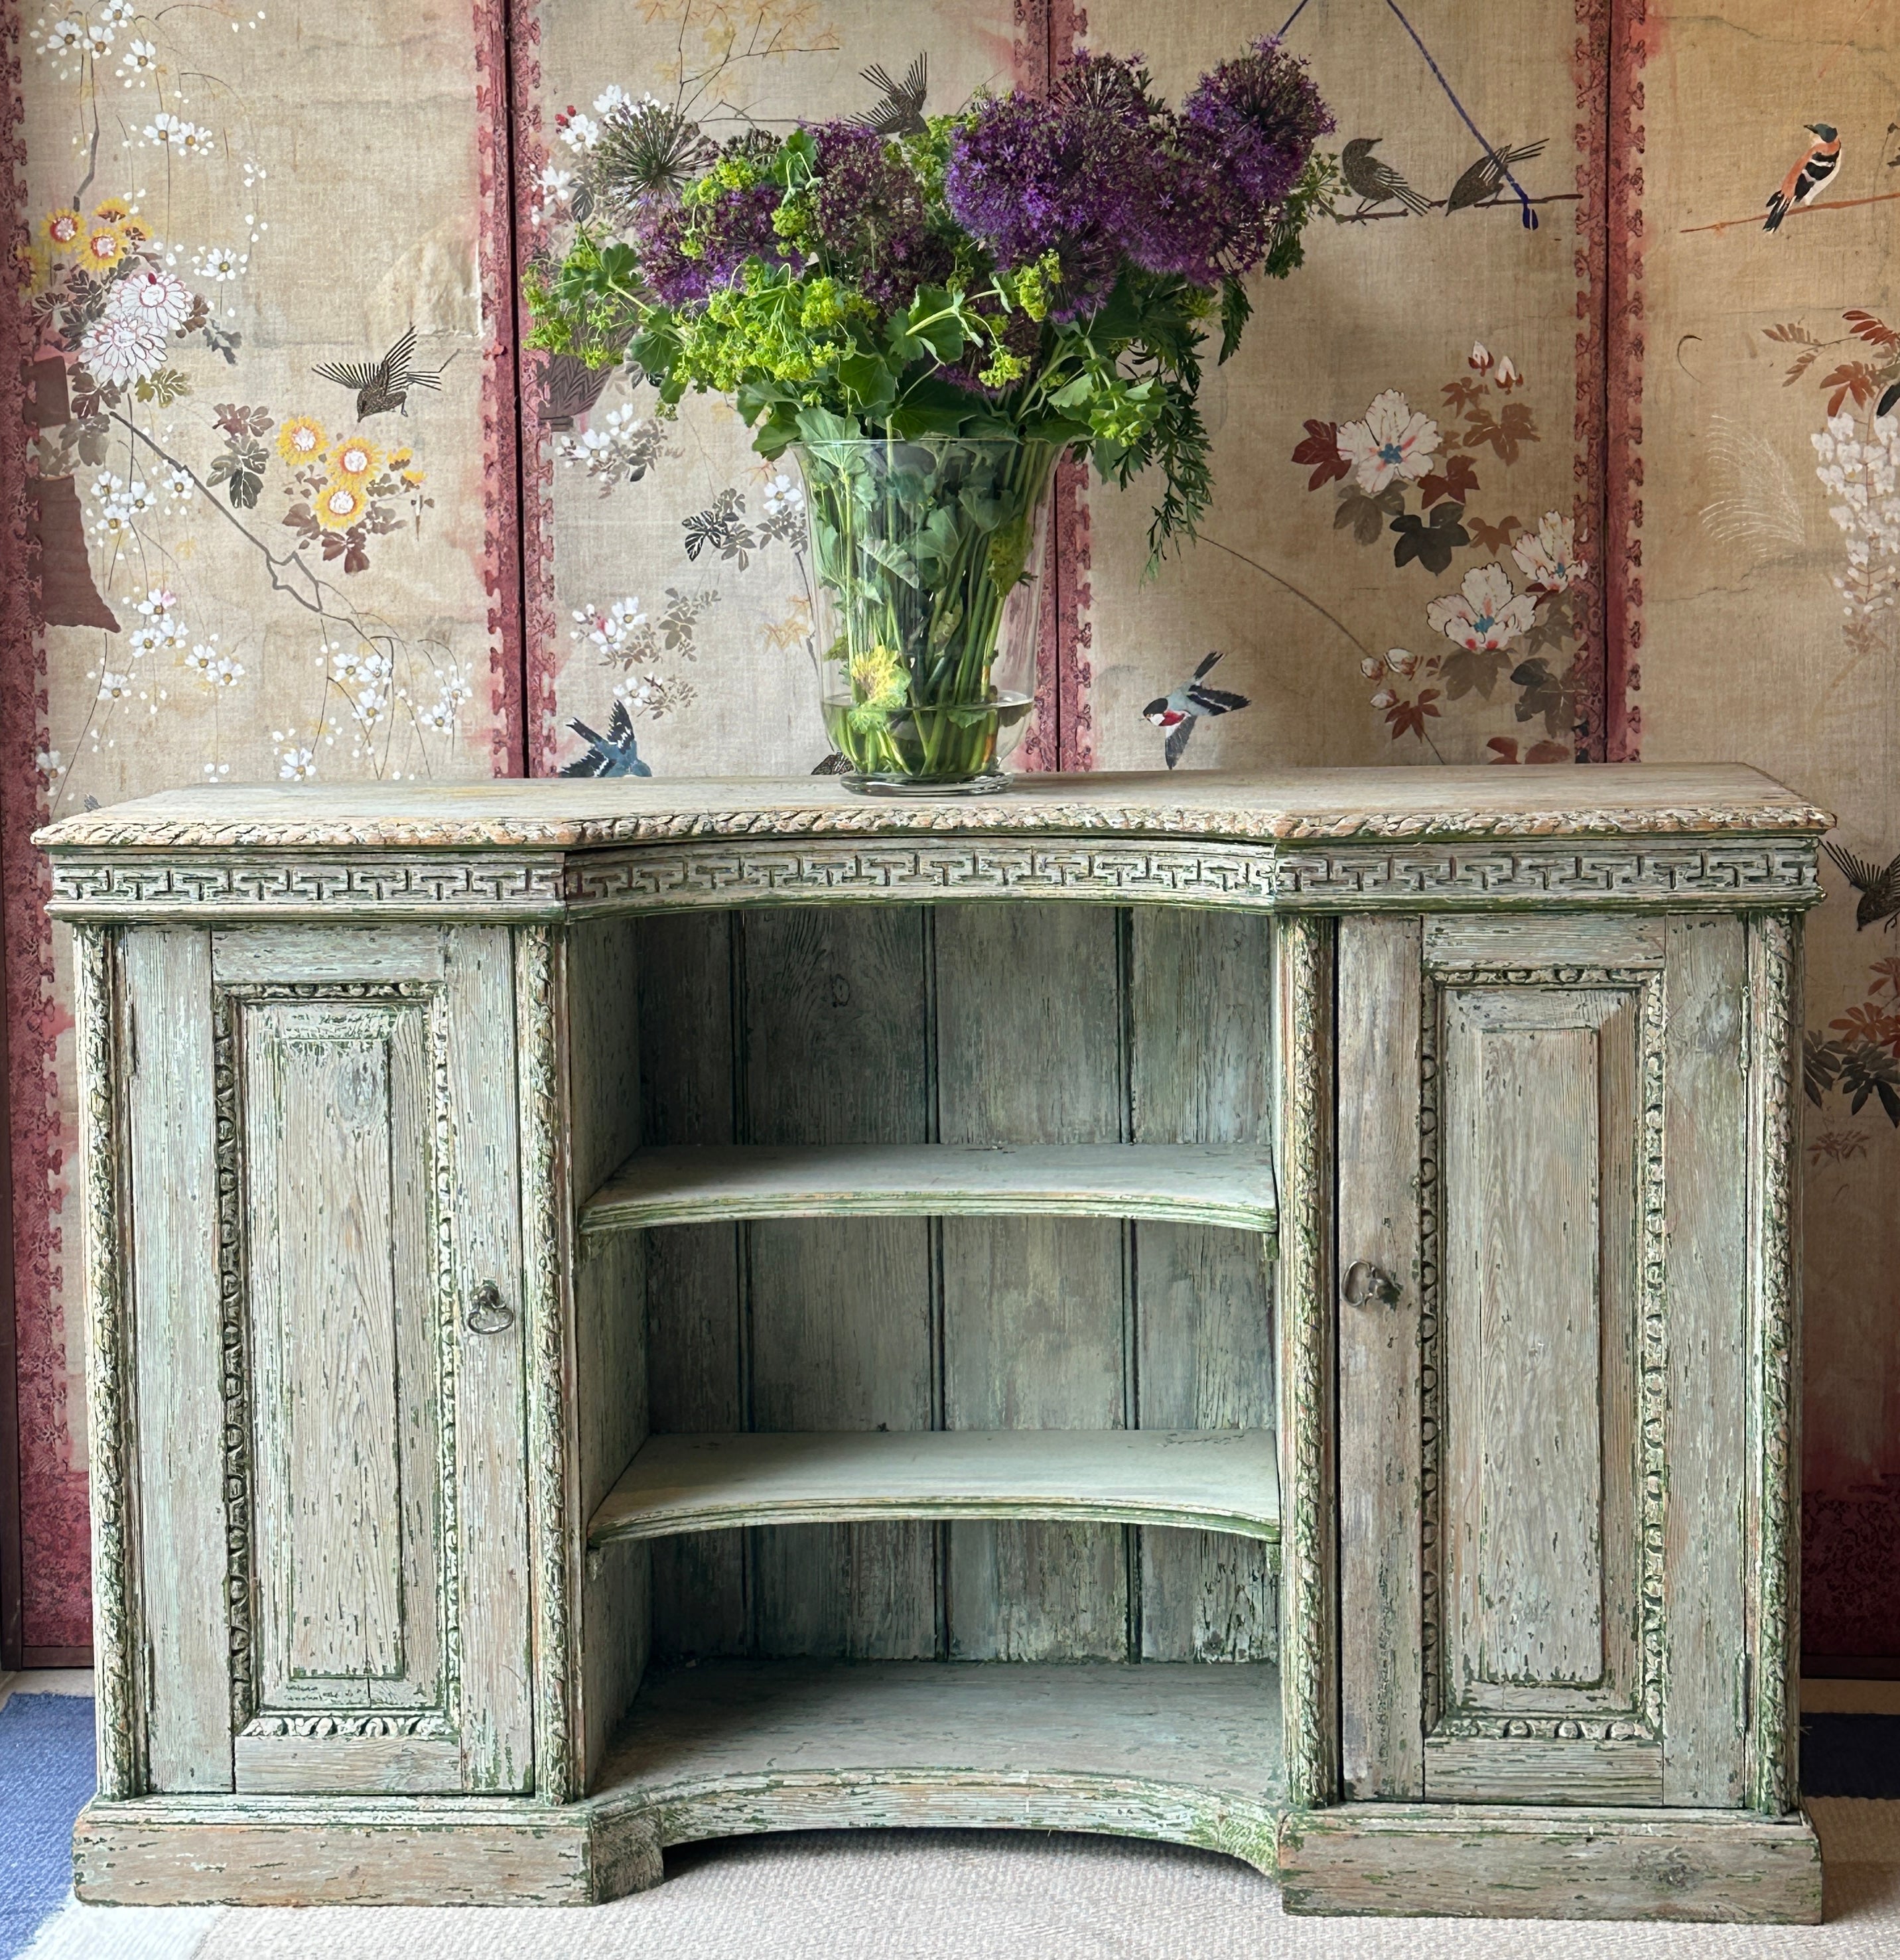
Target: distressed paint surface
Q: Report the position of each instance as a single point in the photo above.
(1546, 1680)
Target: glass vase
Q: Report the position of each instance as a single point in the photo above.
(927, 555)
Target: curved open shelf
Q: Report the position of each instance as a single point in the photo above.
(1225, 1480)
(1189, 1751)
(1206, 1184)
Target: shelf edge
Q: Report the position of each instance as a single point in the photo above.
(599, 1217)
(791, 1511)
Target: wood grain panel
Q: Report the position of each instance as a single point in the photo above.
(178, 1361)
(1526, 1470)
(1200, 1046)
(1540, 1536)
(1539, 1861)
(1030, 1050)
(603, 1063)
(1542, 939)
(694, 1369)
(313, 952)
(341, 1271)
(837, 1332)
(1381, 1576)
(490, 1386)
(1705, 1150)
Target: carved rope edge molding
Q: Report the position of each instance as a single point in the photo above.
(1256, 822)
(108, 1366)
(1643, 1722)
(1772, 871)
(248, 1717)
(1774, 1037)
(1310, 1689)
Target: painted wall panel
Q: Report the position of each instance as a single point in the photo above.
(1758, 556)
(666, 560)
(1672, 367)
(1357, 608)
(246, 569)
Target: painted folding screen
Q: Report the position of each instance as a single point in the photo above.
(666, 562)
(248, 567)
(1434, 607)
(1607, 528)
(1759, 548)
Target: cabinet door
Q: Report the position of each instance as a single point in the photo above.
(1543, 1148)
(379, 1574)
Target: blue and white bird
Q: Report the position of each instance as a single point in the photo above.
(1176, 713)
(615, 753)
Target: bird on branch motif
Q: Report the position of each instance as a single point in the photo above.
(1879, 890)
(1485, 179)
(899, 110)
(615, 753)
(1817, 164)
(1374, 180)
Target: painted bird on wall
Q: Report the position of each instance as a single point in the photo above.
(1176, 713)
(1879, 890)
(899, 108)
(1817, 164)
(615, 753)
(382, 386)
(1374, 180)
(1485, 179)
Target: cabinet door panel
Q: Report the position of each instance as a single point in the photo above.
(1539, 1247)
(373, 1141)
(343, 1311)
(1539, 1520)
(1542, 1454)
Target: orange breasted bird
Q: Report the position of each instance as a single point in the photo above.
(1822, 160)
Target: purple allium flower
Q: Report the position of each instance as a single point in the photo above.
(872, 220)
(1067, 176)
(1247, 132)
(736, 226)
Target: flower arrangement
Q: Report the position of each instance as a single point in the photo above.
(932, 319)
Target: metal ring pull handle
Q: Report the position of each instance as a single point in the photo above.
(1365, 1284)
(486, 1313)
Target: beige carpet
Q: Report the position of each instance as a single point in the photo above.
(952, 1895)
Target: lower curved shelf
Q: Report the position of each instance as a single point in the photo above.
(1188, 1753)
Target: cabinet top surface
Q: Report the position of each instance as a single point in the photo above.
(556, 813)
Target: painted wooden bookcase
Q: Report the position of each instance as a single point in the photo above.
(1256, 1311)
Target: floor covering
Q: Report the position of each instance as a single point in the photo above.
(885, 1895)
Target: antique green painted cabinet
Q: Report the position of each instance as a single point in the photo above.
(1257, 1311)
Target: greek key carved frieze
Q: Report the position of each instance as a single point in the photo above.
(1673, 874)
(386, 884)
(921, 868)
(717, 871)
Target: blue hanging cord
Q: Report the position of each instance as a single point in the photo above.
(1530, 216)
